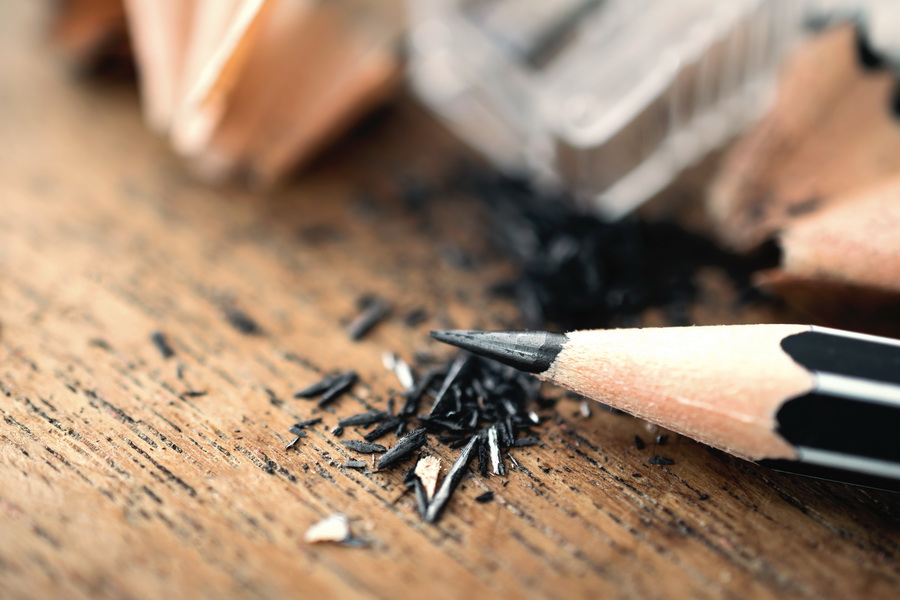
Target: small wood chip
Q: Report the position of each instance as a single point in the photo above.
(585, 409)
(429, 471)
(497, 467)
(334, 528)
(400, 368)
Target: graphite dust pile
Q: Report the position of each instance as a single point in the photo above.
(485, 408)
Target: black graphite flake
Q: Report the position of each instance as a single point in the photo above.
(317, 388)
(373, 310)
(485, 498)
(446, 422)
(526, 441)
(159, 340)
(337, 431)
(482, 456)
(241, 321)
(515, 463)
(292, 443)
(410, 477)
(101, 343)
(364, 447)
(387, 426)
(442, 496)
(456, 368)
(423, 357)
(367, 418)
(192, 394)
(421, 496)
(308, 423)
(661, 460)
(460, 442)
(298, 431)
(353, 464)
(414, 396)
(416, 316)
(506, 432)
(274, 400)
(661, 439)
(639, 443)
(340, 387)
(404, 447)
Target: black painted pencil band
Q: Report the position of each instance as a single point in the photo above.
(799, 398)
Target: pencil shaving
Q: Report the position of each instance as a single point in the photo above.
(257, 86)
(855, 241)
(428, 470)
(829, 133)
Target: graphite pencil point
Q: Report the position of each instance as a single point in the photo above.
(531, 351)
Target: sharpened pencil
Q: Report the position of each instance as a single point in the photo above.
(798, 398)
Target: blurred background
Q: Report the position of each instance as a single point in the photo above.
(748, 121)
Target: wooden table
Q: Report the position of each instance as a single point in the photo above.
(114, 484)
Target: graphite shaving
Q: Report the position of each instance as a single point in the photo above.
(479, 406)
(579, 272)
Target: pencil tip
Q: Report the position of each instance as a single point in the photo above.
(531, 351)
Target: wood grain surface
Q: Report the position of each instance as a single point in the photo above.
(114, 484)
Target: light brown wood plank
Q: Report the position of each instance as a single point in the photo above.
(111, 485)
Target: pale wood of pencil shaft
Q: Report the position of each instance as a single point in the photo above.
(721, 385)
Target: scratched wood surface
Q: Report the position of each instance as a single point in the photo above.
(115, 485)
